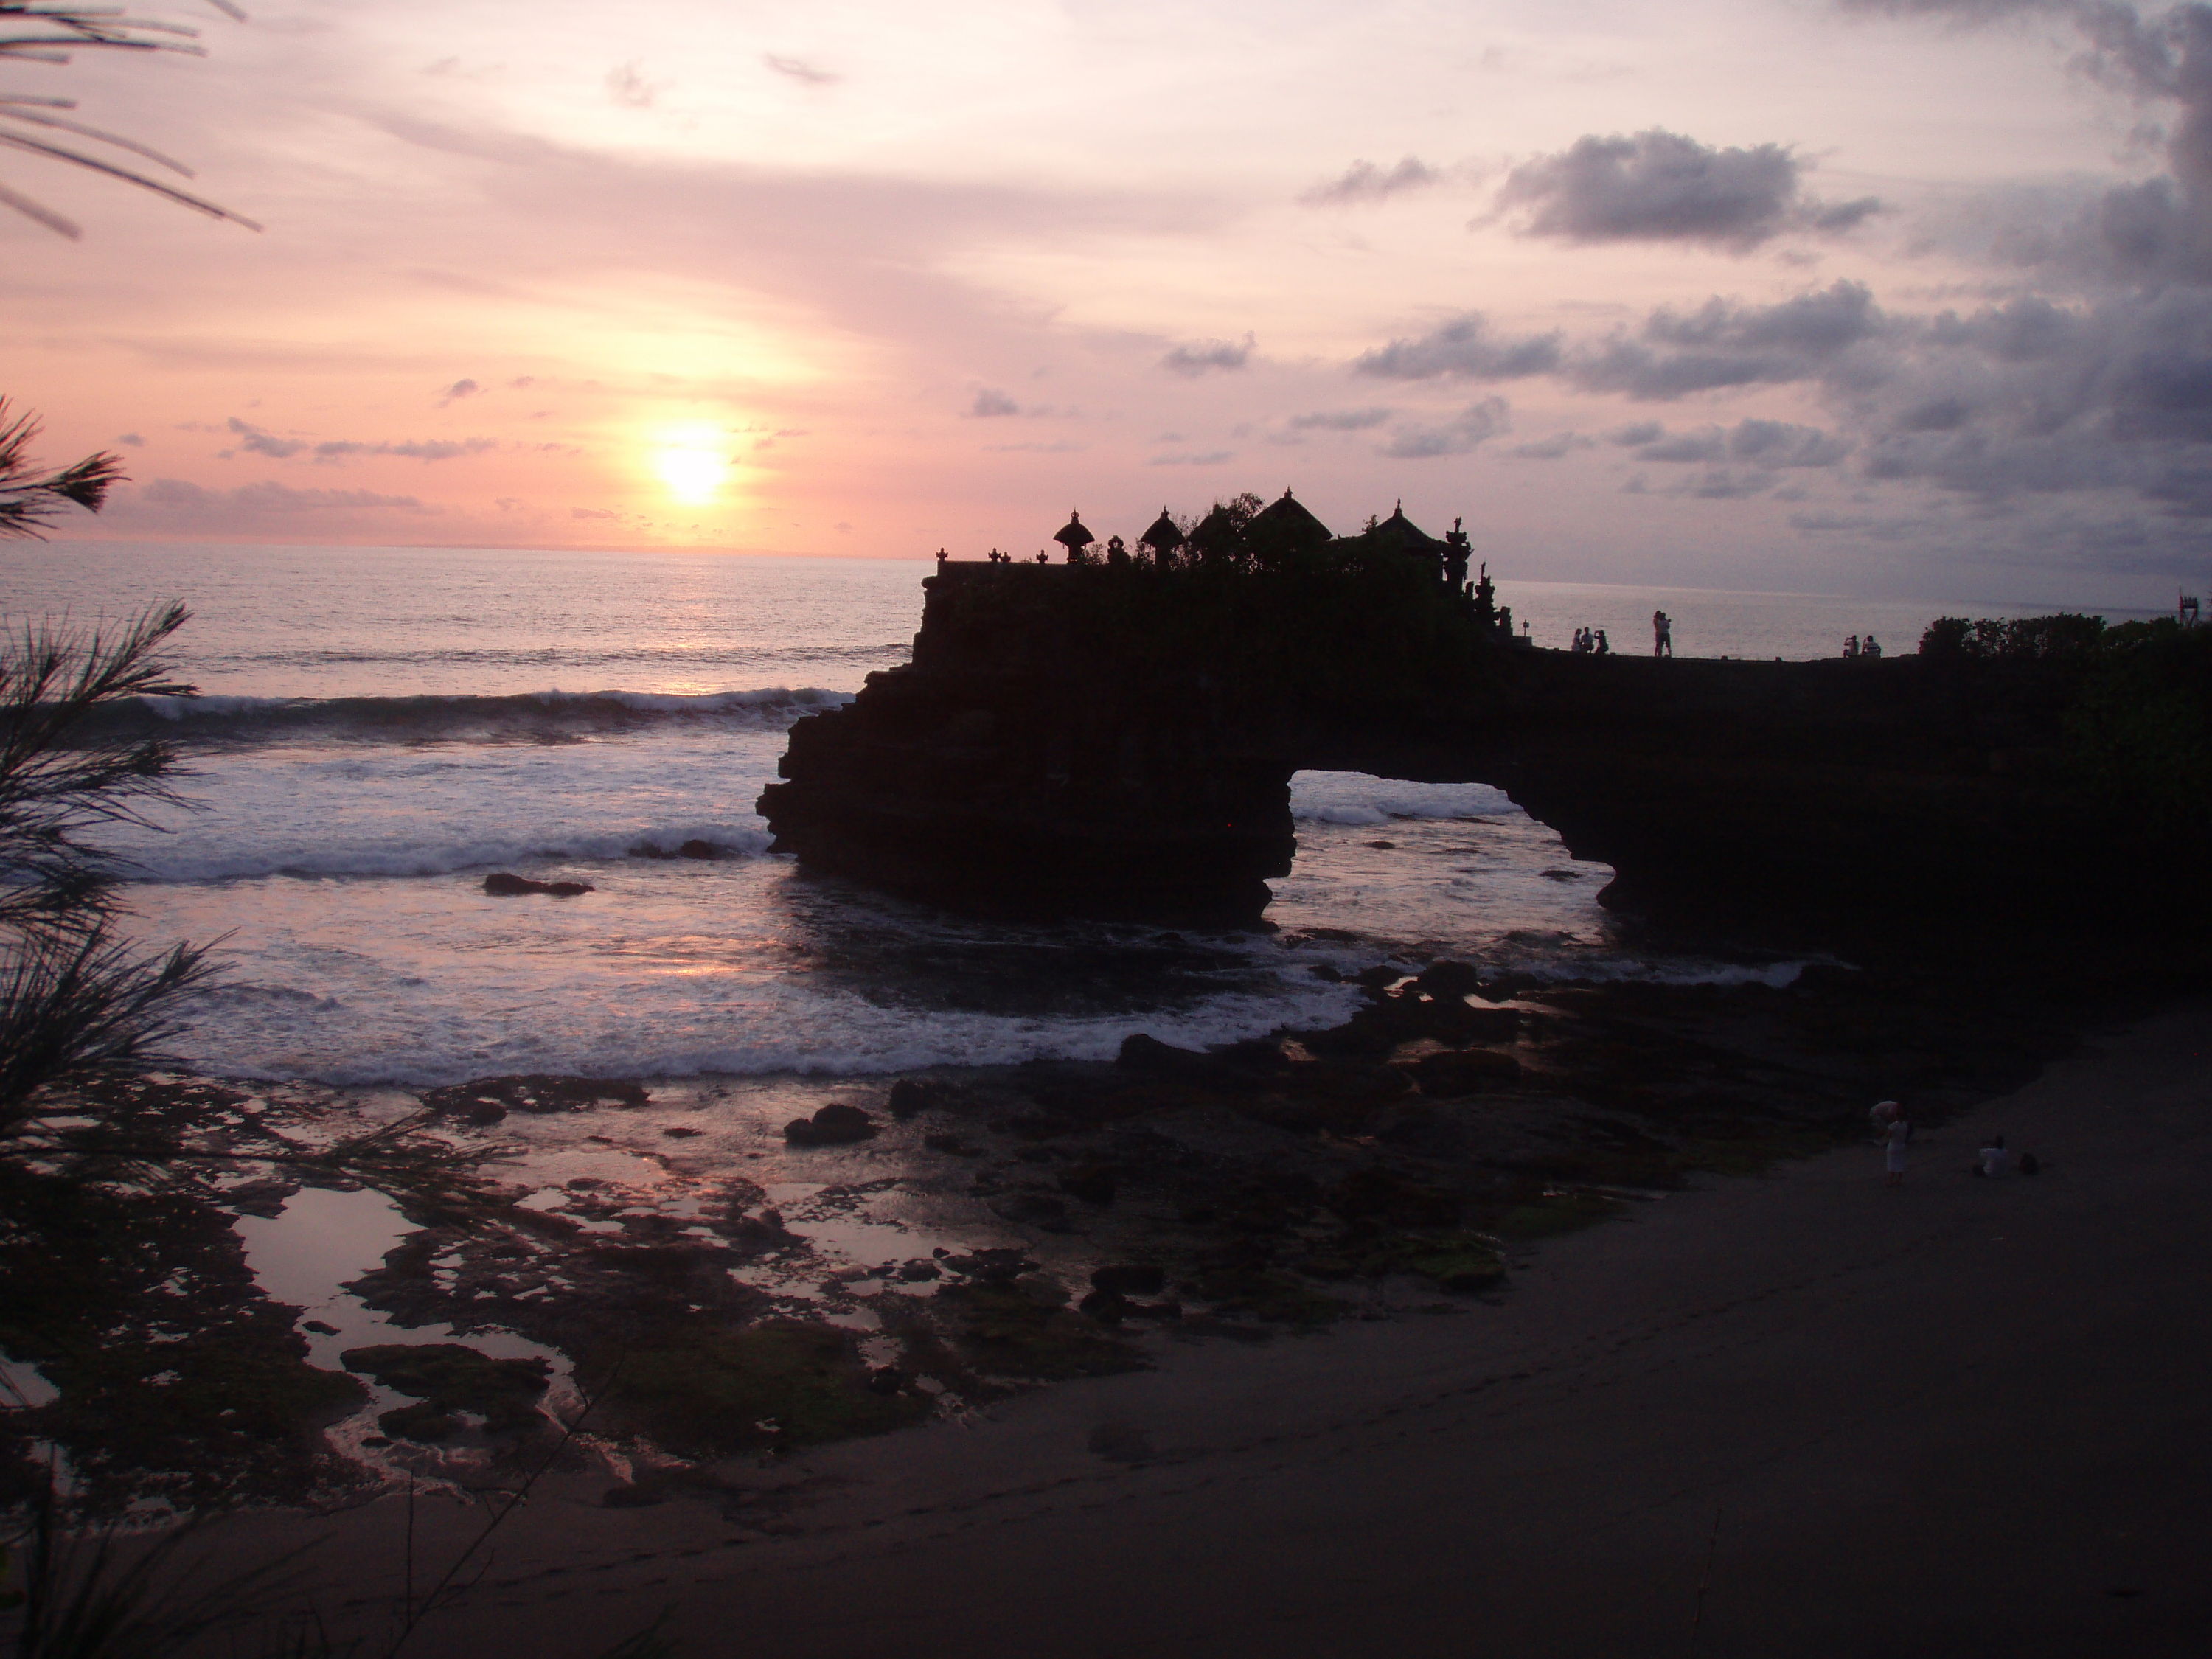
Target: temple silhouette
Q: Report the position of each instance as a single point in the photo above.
(1113, 734)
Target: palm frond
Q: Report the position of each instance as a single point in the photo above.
(50, 34)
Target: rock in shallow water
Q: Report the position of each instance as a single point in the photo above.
(834, 1125)
(503, 885)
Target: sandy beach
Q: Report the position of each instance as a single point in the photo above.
(1797, 1414)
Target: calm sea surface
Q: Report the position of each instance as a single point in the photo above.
(380, 727)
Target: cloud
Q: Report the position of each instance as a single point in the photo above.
(589, 512)
(1552, 448)
(1211, 457)
(458, 390)
(991, 404)
(1065, 446)
(175, 504)
(133, 440)
(255, 440)
(628, 87)
(1724, 344)
(1637, 432)
(799, 69)
(1365, 182)
(1339, 420)
(415, 449)
(1474, 425)
(1206, 356)
(1766, 444)
(1961, 11)
(1661, 187)
(1463, 348)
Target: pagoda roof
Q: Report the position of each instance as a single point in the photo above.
(1288, 520)
(1400, 531)
(1163, 535)
(1072, 534)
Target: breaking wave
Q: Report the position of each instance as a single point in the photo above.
(524, 716)
(181, 860)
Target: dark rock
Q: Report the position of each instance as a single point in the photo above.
(1466, 1071)
(1120, 1442)
(1069, 741)
(919, 1272)
(1140, 1053)
(834, 1125)
(1130, 1278)
(447, 1378)
(264, 1199)
(501, 884)
(679, 1132)
(695, 848)
(488, 1099)
(628, 1496)
(1094, 1184)
(1449, 979)
(990, 1267)
(952, 1144)
(1039, 1210)
(1375, 1194)
(318, 1327)
(1107, 1307)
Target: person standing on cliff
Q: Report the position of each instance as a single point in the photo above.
(1893, 1142)
(1663, 634)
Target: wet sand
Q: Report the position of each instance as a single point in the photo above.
(1800, 1414)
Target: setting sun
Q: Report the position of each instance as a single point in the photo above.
(692, 467)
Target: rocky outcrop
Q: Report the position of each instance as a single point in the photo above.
(1104, 742)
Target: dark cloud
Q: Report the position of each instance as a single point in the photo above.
(1207, 356)
(1637, 432)
(1211, 457)
(1661, 187)
(990, 404)
(1362, 182)
(458, 390)
(1763, 444)
(799, 69)
(133, 440)
(1962, 11)
(1472, 426)
(414, 449)
(255, 440)
(1725, 344)
(1556, 446)
(1339, 420)
(1463, 348)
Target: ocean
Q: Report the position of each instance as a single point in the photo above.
(379, 728)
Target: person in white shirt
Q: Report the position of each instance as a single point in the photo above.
(1995, 1160)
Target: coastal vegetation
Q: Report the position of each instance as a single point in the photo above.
(2135, 726)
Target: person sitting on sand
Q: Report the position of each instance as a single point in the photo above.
(1870, 647)
(1602, 648)
(1851, 648)
(1994, 1159)
(1892, 1156)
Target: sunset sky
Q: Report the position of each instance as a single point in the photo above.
(1908, 298)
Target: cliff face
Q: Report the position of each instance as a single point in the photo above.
(1081, 741)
